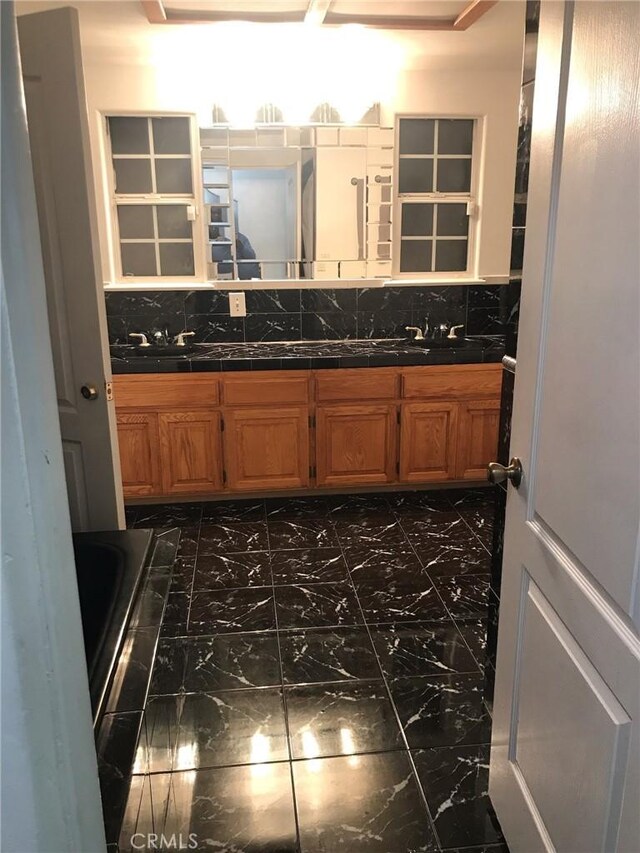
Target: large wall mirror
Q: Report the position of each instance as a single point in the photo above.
(298, 202)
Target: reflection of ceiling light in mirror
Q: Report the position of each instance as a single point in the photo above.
(187, 756)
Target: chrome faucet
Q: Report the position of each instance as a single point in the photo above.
(179, 338)
(452, 331)
(418, 332)
(143, 338)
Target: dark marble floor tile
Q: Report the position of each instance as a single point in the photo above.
(303, 533)
(327, 654)
(229, 571)
(316, 606)
(309, 565)
(358, 507)
(474, 633)
(455, 781)
(156, 749)
(441, 559)
(442, 710)
(126, 835)
(294, 509)
(464, 595)
(231, 661)
(116, 749)
(224, 512)
(182, 575)
(176, 615)
(361, 803)
(420, 502)
(188, 546)
(464, 498)
(128, 690)
(341, 719)
(370, 533)
(233, 537)
(168, 669)
(232, 611)
(422, 649)
(248, 808)
(234, 727)
(399, 601)
(384, 563)
(169, 515)
(131, 515)
(437, 528)
(483, 848)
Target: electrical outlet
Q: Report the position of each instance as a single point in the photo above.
(237, 305)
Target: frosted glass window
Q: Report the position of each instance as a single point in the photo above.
(453, 220)
(129, 135)
(138, 259)
(415, 255)
(455, 136)
(174, 177)
(417, 220)
(176, 259)
(171, 135)
(173, 222)
(133, 177)
(135, 221)
(451, 255)
(454, 176)
(417, 136)
(416, 176)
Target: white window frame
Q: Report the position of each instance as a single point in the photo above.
(471, 199)
(154, 198)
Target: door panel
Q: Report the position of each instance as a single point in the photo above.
(59, 138)
(139, 454)
(428, 436)
(267, 448)
(477, 438)
(564, 769)
(356, 444)
(190, 452)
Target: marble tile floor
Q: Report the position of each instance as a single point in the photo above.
(318, 680)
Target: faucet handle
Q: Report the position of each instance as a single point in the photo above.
(418, 332)
(453, 330)
(179, 338)
(143, 338)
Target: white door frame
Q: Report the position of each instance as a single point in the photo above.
(50, 791)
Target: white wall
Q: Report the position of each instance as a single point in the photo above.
(167, 82)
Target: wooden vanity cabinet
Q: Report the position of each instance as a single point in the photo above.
(206, 434)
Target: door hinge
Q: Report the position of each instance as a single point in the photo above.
(108, 388)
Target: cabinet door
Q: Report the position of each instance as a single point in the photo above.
(190, 452)
(267, 448)
(477, 438)
(428, 438)
(139, 453)
(356, 444)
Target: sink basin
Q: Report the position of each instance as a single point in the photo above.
(169, 351)
(436, 343)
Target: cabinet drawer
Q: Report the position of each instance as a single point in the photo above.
(152, 390)
(468, 382)
(352, 385)
(270, 388)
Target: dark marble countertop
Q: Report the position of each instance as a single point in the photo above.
(306, 355)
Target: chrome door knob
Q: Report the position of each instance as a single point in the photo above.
(89, 392)
(497, 473)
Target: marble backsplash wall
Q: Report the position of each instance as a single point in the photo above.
(314, 314)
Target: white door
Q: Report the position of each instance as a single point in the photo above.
(340, 203)
(58, 133)
(565, 756)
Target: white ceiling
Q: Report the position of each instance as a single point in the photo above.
(117, 31)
